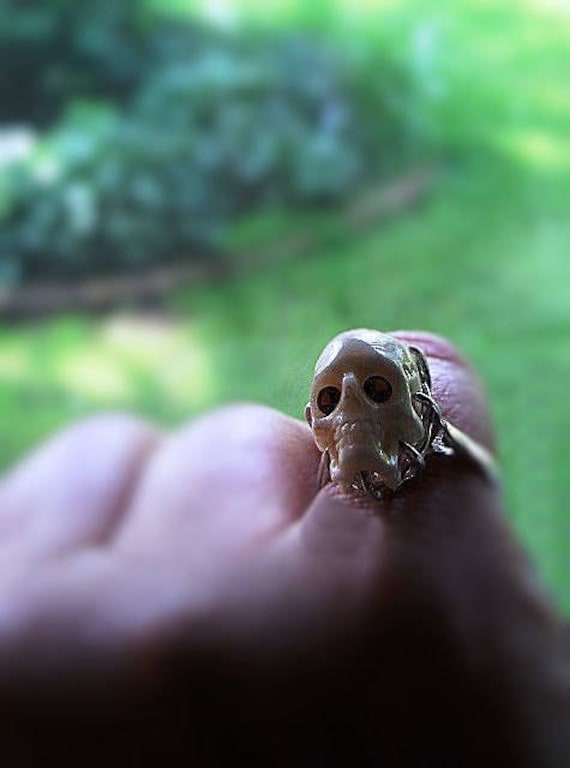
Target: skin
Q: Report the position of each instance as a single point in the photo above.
(195, 595)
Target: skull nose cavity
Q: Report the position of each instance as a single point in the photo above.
(361, 428)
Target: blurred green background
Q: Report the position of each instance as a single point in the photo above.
(254, 142)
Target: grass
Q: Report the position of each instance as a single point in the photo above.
(483, 261)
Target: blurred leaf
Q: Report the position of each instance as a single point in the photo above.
(224, 124)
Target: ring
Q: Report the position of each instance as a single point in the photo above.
(374, 418)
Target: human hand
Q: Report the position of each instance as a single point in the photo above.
(196, 594)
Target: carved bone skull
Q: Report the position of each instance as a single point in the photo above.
(363, 411)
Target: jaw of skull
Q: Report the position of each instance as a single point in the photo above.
(362, 409)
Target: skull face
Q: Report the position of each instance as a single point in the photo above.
(362, 409)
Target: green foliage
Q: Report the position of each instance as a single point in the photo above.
(484, 261)
(222, 124)
(53, 52)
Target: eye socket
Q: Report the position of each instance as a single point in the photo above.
(328, 399)
(378, 389)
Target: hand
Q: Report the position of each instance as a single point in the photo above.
(195, 594)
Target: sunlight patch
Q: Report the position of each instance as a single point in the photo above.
(539, 149)
(93, 375)
(166, 353)
(549, 6)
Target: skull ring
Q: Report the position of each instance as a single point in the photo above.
(374, 418)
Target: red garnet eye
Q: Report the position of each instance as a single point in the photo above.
(378, 389)
(328, 399)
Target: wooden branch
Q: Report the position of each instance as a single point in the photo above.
(151, 286)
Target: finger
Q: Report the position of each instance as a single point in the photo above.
(457, 626)
(72, 491)
(445, 530)
(235, 475)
